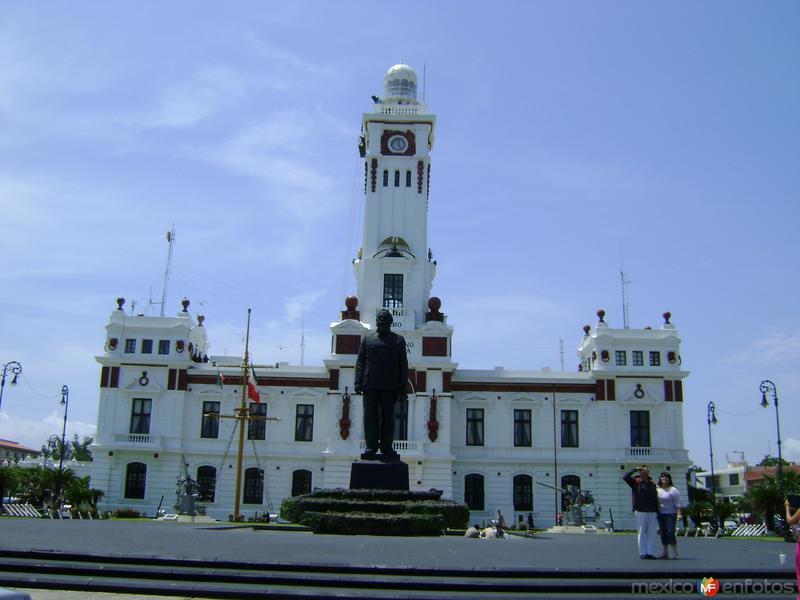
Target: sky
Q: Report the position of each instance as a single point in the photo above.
(573, 140)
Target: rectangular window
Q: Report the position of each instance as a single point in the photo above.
(397, 179)
(385, 178)
(140, 415)
(163, 346)
(640, 428)
(257, 425)
(569, 428)
(392, 290)
(210, 426)
(147, 346)
(638, 358)
(621, 357)
(304, 423)
(474, 427)
(655, 359)
(733, 479)
(522, 427)
(130, 346)
(408, 179)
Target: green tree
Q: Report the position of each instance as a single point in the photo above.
(8, 482)
(80, 449)
(772, 461)
(75, 449)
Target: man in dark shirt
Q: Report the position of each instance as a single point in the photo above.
(381, 375)
(645, 505)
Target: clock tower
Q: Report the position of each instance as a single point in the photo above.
(394, 268)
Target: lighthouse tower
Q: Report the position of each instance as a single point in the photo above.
(394, 268)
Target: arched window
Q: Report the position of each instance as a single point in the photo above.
(408, 179)
(523, 492)
(301, 482)
(473, 491)
(397, 179)
(401, 419)
(253, 486)
(385, 178)
(566, 482)
(206, 483)
(135, 479)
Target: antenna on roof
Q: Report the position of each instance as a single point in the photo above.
(171, 240)
(624, 282)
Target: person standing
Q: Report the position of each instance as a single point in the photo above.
(381, 374)
(669, 511)
(645, 505)
(794, 519)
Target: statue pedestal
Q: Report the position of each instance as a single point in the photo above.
(376, 475)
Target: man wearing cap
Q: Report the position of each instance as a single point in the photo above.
(645, 505)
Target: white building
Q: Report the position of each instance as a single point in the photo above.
(484, 436)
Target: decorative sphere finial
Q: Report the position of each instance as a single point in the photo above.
(587, 329)
(351, 302)
(601, 315)
(434, 303)
(185, 303)
(120, 303)
(667, 315)
(200, 319)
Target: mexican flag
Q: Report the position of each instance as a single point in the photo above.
(252, 391)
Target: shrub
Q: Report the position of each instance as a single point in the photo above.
(378, 512)
(127, 513)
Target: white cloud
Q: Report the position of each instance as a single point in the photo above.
(34, 432)
(774, 347)
(206, 92)
(791, 449)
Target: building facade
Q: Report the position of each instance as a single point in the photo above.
(487, 437)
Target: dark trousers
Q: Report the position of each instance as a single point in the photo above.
(666, 523)
(379, 419)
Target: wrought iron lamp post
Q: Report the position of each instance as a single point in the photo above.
(13, 367)
(712, 420)
(768, 386)
(65, 404)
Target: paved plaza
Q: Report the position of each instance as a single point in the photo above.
(546, 553)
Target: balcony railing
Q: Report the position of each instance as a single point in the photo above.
(399, 446)
(136, 439)
(636, 451)
(403, 109)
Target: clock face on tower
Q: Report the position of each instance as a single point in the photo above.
(398, 143)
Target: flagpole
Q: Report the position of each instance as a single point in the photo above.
(242, 417)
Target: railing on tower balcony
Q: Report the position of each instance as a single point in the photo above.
(399, 446)
(401, 109)
(136, 439)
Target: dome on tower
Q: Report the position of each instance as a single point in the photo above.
(400, 84)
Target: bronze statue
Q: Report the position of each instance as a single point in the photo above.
(381, 376)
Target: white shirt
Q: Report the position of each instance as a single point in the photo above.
(669, 500)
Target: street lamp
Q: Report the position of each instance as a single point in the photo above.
(65, 404)
(712, 420)
(768, 386)
(16, 369)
